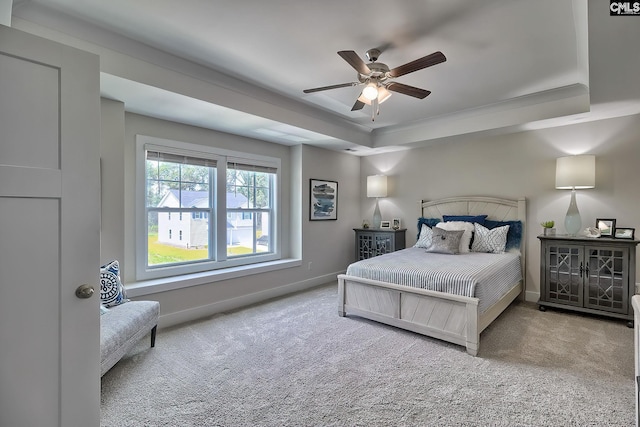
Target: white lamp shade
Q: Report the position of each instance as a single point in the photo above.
(576, 172)
(377, 186)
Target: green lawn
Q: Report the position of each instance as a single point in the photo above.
(166, 254)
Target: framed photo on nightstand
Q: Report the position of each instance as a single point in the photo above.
(607, 226)
(625, 233)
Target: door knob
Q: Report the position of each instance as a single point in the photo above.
(84, 291)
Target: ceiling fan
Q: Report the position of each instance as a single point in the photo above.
(378, 78)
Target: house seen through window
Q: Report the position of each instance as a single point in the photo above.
(216, 230)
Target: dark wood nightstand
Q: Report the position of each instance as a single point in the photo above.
(591, 275)
(372, 242)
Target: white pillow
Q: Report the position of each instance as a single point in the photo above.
(467, 227)
(425, 238)
(492, 241)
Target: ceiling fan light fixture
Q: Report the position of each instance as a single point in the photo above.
(370, 91)
(383, 95)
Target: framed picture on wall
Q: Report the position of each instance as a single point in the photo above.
(323, 200)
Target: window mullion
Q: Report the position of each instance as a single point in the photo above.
(220, 208)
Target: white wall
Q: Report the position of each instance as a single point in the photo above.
(511, 166)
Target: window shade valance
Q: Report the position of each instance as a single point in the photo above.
(180, 158)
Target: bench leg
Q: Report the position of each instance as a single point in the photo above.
(153, 336)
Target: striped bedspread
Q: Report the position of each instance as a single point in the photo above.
(481, 275)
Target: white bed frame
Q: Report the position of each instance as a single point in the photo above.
(448, 317)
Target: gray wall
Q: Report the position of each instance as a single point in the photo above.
(325, 248)
(511, 166)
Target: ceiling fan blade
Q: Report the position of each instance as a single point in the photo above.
(355, 61)
(358, 105)
(318, 89)
(418, 64)
(404, 89)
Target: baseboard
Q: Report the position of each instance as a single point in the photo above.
(172, 319)
(532, 296)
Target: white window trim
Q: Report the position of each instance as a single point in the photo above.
(222, 156)
(165, 284)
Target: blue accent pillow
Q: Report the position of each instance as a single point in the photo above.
(429, 222)
(480, 219)
(112, 291)
(514, 236)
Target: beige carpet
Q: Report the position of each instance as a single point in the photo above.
(295, 362)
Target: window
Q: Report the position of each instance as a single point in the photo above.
(250, 207)
(228, 200)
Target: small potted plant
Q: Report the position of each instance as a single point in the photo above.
(547, 228)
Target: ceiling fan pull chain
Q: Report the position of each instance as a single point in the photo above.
(374, 108)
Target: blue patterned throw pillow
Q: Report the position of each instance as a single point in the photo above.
(112, 292)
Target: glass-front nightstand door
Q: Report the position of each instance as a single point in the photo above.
(384, 243)
(565, 271)
(365, 246)
(606, 285)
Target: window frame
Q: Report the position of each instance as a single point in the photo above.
(218, 250)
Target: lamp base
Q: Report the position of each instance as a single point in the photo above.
(377, 216)
(573, 222)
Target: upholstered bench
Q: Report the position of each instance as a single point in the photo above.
(122, 326)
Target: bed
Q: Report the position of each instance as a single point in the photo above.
(455, 318)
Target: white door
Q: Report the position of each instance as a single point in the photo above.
(49, 233)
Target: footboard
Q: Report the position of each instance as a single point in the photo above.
(451, 318)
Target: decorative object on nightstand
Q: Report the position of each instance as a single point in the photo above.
(547, 228)
(594, 276)
(575, 172)
(370, 243)
(377, 187)
(592, 232)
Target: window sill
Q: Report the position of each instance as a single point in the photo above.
(148, 287)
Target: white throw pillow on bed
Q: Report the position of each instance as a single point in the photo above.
(492, 241)
(424, 240)
(467, 227)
